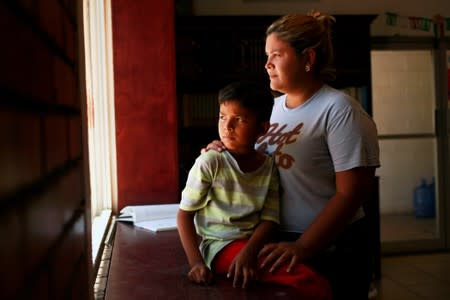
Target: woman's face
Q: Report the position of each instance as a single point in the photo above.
(284, 67)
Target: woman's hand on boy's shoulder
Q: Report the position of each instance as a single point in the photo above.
(216, 145)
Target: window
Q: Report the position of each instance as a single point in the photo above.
(100, 114)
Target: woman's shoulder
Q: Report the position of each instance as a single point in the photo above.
(335, 94)
(338, 99)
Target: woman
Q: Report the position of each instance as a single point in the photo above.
(326, 149)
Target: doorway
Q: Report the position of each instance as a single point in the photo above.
(405, 97)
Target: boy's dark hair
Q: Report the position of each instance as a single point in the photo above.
(251, 95)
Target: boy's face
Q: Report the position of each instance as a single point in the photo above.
(238, 127)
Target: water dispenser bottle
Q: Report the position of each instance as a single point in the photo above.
(424, 200)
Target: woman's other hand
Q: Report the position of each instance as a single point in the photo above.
(280, 254)
(216, 145)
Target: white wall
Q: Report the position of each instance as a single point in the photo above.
(403, 103)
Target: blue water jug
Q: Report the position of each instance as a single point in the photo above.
(424, 200)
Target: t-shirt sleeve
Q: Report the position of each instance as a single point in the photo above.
(198, 183)
(352, 139)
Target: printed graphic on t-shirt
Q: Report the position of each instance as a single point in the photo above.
(276, 138)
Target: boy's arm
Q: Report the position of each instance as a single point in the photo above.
(270, 216)
(244, 265)
(263, 232)
(199, 272)
(244, 268)
(188, 236)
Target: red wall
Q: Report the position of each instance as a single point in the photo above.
(145, 96)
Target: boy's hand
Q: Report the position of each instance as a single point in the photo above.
(214, 145)
(201, 274)
(243, 269)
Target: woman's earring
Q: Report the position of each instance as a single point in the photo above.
(307, 68)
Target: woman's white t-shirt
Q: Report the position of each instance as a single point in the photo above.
(328, 133)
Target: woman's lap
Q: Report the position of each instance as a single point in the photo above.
(347, 264)
(309, 283)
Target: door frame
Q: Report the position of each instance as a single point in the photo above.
(439, 48)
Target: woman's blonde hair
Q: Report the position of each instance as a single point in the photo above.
(312, 30)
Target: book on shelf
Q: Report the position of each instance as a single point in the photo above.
(154, 217)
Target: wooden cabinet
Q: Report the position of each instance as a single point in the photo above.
(212, 51)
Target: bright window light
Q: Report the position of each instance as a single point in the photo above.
(100, 114)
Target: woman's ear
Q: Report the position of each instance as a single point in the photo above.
(310, 56)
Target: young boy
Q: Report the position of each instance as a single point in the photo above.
(231, 198)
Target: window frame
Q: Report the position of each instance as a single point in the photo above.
(99, 84)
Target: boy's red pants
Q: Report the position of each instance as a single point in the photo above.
(309, 283)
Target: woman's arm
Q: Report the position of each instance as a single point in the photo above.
(352, 187)
(199, 272)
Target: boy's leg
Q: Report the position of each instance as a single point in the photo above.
(309, 283)
(223, 259)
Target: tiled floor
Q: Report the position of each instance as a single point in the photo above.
(407, 227)
(414, 277)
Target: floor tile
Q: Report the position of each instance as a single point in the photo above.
(390, 290)
(415, 277)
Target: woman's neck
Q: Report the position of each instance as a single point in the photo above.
(298, 96)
